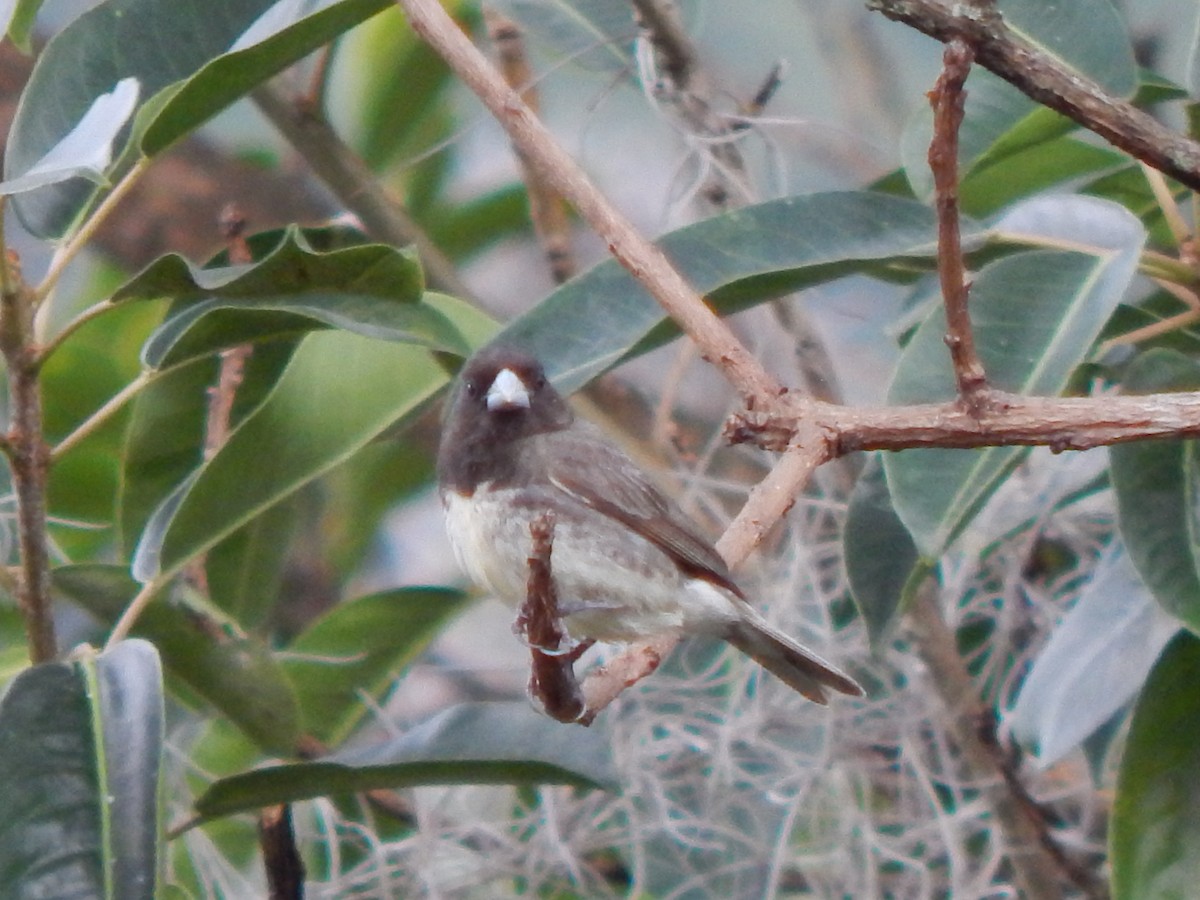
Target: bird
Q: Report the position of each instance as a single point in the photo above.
(627, 565)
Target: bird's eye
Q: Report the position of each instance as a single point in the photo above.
(539, 381)
(472, 389)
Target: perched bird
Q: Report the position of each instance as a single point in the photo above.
(626, 563)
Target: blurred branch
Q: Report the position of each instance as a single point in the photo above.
(1038, 862)
(353, 183)
(645, 262)
(547, 208)
(1046, 80)
(281, 857)
(947, 99)
(690, 92)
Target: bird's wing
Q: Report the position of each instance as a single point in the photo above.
(602, 477)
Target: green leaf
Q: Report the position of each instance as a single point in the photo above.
(1088, 36)
(339, 392)
(880, 554)
(20, 25)
(738, 259)
(284, 34)
(1156, 496)
(360, 647)
(1035, 316)
(1095, 661)
(203, 648)
(245, 570)
(371, 289)
(86, 150)
(165, 439)
(179, 53)
(80, 749)
(474, 743)
(1156, 817)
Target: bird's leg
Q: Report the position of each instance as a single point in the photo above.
(552, 676)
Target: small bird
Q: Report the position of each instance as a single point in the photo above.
(626, 563)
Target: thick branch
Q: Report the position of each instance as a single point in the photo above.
(1047, 81)
(29, 458)
(947, 98)
(644, 261)
(1066, 423)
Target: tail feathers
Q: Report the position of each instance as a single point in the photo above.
(791, 663)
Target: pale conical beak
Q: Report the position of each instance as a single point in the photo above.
(507, 392)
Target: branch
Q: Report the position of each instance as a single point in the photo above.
(692, 94)
(352, 182)
(28, 456)
(947, 98)
(551, 678)
(547, 210)
(1061, 423)
(647, 263)
(1046, 80)
(1036, 858)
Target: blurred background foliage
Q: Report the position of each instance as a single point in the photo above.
(309, 640)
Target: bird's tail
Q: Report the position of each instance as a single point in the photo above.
(791, 663)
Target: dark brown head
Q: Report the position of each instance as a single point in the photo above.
(502, 397)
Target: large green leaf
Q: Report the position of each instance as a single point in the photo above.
(1156, 494)
(881, 558)
(474, 743)
(1095, 661)
(358, 648)
(371, 289)
(80, 749)
(1156, 817)
(165, 438)
(999, 122)
(245, 569)
(203, 648)
(339, 392)
(1089, 36)
(1035, 317)
(180, 54)
(737, 259)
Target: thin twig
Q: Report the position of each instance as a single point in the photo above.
(947, 98)
(1047, 80)
(547, 208)
(102, 415)
(221, 397)
(346, 174)
(132, 612)
(645, 262)
(1180, 230)
(87, 231)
